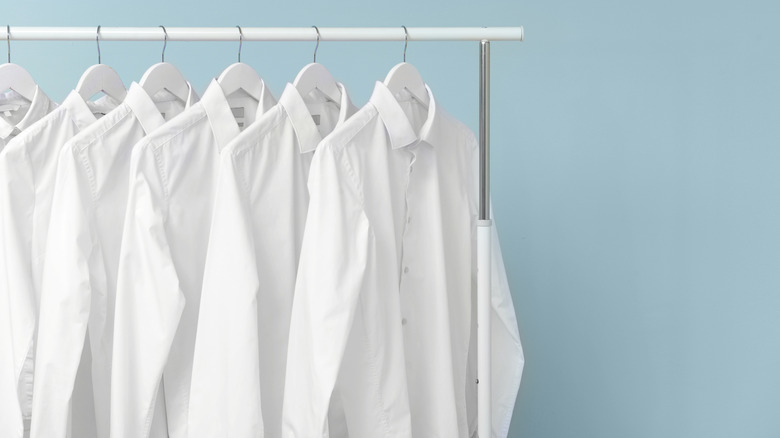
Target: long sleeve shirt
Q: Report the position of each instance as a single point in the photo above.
(383, 300)
(173, 173)
(28, 166)
(79, 277)
(256, 233)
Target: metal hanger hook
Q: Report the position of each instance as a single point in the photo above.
(8, 37)
(165, 42)
(240, 41)
(318, 43)
(97, 41)
(406, 41)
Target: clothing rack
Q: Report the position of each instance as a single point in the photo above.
(484, 35)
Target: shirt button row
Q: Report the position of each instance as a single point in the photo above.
(406, 269)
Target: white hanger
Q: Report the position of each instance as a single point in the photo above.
(101, 77)
(15, 77)
(315, 76)
(240, 76)
(405, 76)
(165, 76)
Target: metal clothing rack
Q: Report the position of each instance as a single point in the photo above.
(484, 35)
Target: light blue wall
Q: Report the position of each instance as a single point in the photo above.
(636, 184)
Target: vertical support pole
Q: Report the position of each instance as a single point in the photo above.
(484, 228)
(484, 130)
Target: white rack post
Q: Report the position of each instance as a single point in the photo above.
(484, 229)
(482, 34)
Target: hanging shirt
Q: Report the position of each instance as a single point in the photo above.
(17, 113)
(79, 279)
(256, 232)
(27, 175)
(383, 300)
(173, 175)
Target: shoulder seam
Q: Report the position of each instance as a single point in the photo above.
(87, 142)
(167, 139)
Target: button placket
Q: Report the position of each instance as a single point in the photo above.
(406, 254)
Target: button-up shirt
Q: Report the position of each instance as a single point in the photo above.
(17, 113)
(173, 175)
(79, 281)
(27, 175)
(256, 232)
(383, 300)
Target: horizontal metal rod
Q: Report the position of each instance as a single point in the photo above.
(267, 33)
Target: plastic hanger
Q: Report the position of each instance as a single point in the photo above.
(240, 76)
(404, 76)
(101, 78)
(315, 76)
(15, 77)
(165, 76)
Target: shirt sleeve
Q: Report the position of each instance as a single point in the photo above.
(10, 414)
(65, 302)
(17, 315)
(507, 359)
(225, 388)
(335, 257)
(149, 302)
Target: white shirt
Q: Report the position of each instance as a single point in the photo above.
(173, 175)
(27, 174)
(17, 113)
(79, 280)
(383, 299)
(256, 232)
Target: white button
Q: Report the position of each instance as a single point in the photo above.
(403, 321)
(411, 168)
(406, 269)
(409, 219)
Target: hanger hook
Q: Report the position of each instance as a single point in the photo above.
(8, 36)
(318, 42)
(240, 41)
(97, 41)
(406, 41)
(165, 43)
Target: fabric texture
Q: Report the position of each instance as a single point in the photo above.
(256, 233)
(173, 173)
(383, 301)
(79, 282)
(27, 180)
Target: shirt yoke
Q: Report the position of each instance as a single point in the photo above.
(36, 128)
(341, 137)
(253, 135)
(174, 128)
(98, 129)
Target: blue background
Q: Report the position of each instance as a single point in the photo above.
(635, 182)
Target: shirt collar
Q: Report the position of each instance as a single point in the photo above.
(300, 117)
(78, 110)
(218, 112)
(39, 107)
(347, 108)
(143, 108)
(192, 96)
(6, 130)
(398, 126)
